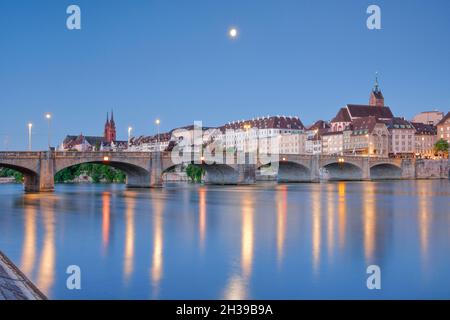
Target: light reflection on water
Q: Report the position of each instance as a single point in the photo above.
(265, 241)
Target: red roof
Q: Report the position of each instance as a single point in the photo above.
(278, 122)
(422, 128)
(342, 116)
(365, 125)
(360, 111)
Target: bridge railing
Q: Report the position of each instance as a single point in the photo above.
(21, 154)
(69, 154)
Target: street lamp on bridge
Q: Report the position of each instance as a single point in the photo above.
(48, 116)
(30, 126)
(157, 122)
(129, 136)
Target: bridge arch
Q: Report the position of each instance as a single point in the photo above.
(341, 171)
(30, 176)
(217, 173)
(22, 169)
(136, 175)
(385, 171)
(290, 171)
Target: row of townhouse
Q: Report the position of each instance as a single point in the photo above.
(373, 130)
(370, 130)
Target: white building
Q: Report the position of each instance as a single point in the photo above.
(401, 137)
(264, 134)
(292, 143)
(333, 143)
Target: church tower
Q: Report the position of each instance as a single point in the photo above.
(106, 131)
(110, 128)
(376, 97)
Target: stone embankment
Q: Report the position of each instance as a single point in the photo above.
(14, 285)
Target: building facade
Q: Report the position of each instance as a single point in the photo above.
(402, 138)
(292, 143)
(425, 139)
(313, 142)
(443, 128)
(351, 112)
(333, 143)
(368, 136)
(84, 143)
(265, 135)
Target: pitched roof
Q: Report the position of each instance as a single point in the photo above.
(162, 137)
(422, 128)
(320, 125)
(445, 118)
(360, 111)
(80, 139)
(342, 116)
(332, 133)
(365, 125)
(278, 122)
(398, 123)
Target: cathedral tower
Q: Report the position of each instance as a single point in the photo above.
(376, 97)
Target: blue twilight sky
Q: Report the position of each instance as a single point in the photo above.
(172, 59)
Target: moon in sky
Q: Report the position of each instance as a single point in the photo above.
(233, 33)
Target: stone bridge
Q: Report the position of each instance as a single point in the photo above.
(297, 168)
(145, 169)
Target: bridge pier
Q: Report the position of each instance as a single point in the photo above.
(315, 168)
(365, 167)
(408, 168)
(44, 180)
(151, 178)
(156, 179)
(247, 171)
(138, 181)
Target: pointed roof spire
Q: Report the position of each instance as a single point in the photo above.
(107, 117)
(112, 119)
(376, 87)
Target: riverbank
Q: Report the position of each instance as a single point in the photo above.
(14, 285)
(5, 180)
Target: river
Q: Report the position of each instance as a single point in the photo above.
(267, 241)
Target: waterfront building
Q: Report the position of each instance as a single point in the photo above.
(313, 142)
(193, 138)
(292, 143)
(333, 143)
(402, 138)
(187, 139)
(367, 136)
(425, 139)
(428, 117)
(351, 112)
(443, 128)
(81, 143)
(265, 134)
(150, 143)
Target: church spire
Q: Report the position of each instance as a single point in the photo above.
(376, 87)
(376, 97)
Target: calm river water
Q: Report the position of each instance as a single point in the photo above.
(297, 241)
